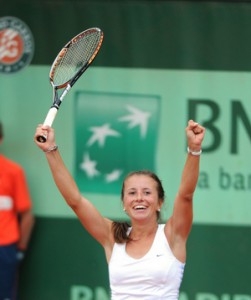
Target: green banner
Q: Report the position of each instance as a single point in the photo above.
(102, 135)
(112, 133)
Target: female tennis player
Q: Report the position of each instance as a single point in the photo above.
(146, 259)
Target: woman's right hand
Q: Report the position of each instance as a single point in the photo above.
(48, 132)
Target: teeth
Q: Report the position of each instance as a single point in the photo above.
(139, 207)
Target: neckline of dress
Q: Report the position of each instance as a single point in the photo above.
(148, 252)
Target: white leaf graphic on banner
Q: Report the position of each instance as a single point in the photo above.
(100, 133)
(89, 166)
(137, 117)
(113, 176)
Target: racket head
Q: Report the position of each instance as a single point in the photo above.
(75, 57)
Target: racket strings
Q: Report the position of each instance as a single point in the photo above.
(80, 52)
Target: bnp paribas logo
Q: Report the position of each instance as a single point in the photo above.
(115, 134)
(16, 45)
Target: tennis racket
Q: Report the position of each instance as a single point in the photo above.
(71, 62)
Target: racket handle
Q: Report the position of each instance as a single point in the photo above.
(48, 121)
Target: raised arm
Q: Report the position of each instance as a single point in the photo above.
(98, 226)
(179, 225)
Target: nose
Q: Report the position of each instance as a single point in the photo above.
(139, 196)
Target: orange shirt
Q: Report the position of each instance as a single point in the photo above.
(14, 198)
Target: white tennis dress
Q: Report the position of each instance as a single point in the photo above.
(155, 276)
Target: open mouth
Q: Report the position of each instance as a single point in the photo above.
(140, 207)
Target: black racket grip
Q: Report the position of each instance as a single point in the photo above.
(41, 139)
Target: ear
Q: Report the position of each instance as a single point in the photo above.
(160, 203)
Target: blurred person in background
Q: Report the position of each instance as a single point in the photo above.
(16, 222)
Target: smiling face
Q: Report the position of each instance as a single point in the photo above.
(140, 196)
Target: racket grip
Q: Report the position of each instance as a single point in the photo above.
(48, 121)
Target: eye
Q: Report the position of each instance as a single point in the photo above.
(147, 192)
(131, 193)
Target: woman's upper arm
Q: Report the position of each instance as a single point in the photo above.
(178, 227)
(182, 217)
(98, 226)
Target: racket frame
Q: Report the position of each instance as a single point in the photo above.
(57, 100)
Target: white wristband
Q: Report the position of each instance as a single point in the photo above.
(196, 153)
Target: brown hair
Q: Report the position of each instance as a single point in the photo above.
(120, 228)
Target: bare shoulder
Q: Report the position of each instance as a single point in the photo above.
(108, 246)
(176, 242)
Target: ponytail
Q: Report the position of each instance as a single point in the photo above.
(120, 230)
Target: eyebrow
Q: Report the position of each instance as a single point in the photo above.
(133, 188)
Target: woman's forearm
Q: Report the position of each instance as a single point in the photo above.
(63, 178)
